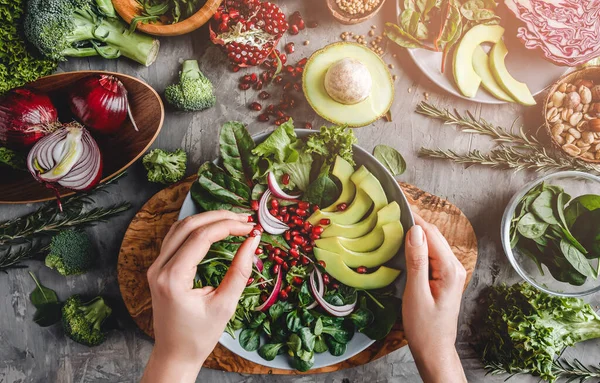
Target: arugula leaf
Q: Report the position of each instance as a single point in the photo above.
(208, 202)
(222, 186)
(236, 145)
(391, 159)
(322, 192)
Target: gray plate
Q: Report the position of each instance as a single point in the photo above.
(359, 342)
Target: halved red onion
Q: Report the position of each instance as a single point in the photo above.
(272, 297)
(277, 190)
(269, 223)
(338, 311)
(68, 157)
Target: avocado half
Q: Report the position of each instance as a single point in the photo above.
(365, 112)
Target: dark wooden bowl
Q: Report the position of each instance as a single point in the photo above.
(128, 9)
(119, 151)
(348, 19)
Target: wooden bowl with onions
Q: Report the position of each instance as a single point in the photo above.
(128, 9)
(572, 114)
(118, 148)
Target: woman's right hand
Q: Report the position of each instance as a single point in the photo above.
(431, 303)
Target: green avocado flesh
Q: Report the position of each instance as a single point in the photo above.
(466, 78)
(375, 106)
(375, 238)
(481, 64)
(335, 266)
(343, 171)
(517, 90)
(389, 213)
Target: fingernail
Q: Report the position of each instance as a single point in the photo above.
(416, 236)
(256, 234)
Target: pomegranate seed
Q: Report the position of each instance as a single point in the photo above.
(289, 68)
(285, 179)
(287, 235)
(297, 87)
(295, 233)
(264, 117)
(307, 226)
(235, 68)
(273, 212)
(294, 253)
(263, 297)
(300, 24)
(315, 207)
(255, 106)
(244, 86)
(288, 288)
(307, 125)
(314, 236)
(269, 247)
(290, 48)
(342, 206)
(301, 212)
(256, 232)
(305, 261)
(286, 218)
(245, 79)
(361, 270)
(325, 221)
(224, 18)
(285, 266)
(287, 86)
(223, 26)
(258, 251)
(280, 121)
(234, 13)
(254, 205)
(303, 205)
(283, 210)
(298, 280)
(283, 106)
(312, 24)
(322, 263)
(283, 295)
(250, 280)
(258, 85)
(217, 16)
(261, 280)
(308, 248)
(298, 221)
(277, 251)
(276, 269)
(264, 95)
(270, 109)
(253, 78)
(250, 218)
(299, 69)
(302, 62)
(293, 262)
(292, 209)
(258, 228)
(299, 240)
(278, 260)
(277, 79)
(283, 58)
(335, 286)
(318, 230)
(326, 279)
(275, 204)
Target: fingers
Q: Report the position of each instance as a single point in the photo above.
(229, 291)
(184, 261)
(417, 262)
(180, 231)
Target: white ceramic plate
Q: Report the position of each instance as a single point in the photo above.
(524, 64)
(360, 341)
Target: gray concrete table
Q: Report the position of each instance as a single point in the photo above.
(29, 353)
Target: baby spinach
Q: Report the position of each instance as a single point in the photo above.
(41, 295)
(250, 339)
(279, 308)
(322, 191)
(207, 202)
(577, 259)
(384, 318)
(45, 300)
(236, 145)
(530, 227)
(294, 343)
(270, 350)
(342, 331)
(335, 348)
(362, 318)
(543, 207)
(308, 338)
(320, 345)
(391, 159)
(222, 186)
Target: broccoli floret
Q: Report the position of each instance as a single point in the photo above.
(82, 28)
(83, 321)
(71, 253)
(165, 167)
(12, 159)
(193, 92)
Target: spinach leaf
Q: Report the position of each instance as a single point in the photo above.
(222, 186)
(543, 208)
(384, 318)
(577, 259)
(530, 227)
(391, 159)
(41, 295)
(294, 343)
(561, 202)
(579, 206)
(305, 297)
(208, 203)
(293, 321)
(318, 327)
(342, 331)
(270, 350)
(279, 308)
(48, 314)
(335, 348)
(587, 229)
(236, 147)
(250, 339)
(322, 191)
(362, 318)
(304, 360)
(257, 320)
(308, 338)
(320, 345)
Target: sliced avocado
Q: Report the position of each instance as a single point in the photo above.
(481, 64)
(517, 90)
(382, 277)
(466, 78)
(343, 171)
(375, 106)
(393, 234)
(389, 213)
(366, 181)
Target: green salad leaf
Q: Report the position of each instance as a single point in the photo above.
(279, 146)
(322, 192)
(236, 145)
(331, 142)
(208, 202)
(222, 186)
(391, 159)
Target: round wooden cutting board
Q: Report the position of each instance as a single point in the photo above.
(142, 242)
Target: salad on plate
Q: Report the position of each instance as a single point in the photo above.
(328, 231)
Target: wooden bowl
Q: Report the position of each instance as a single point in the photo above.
(128, 9)
(348, 19)
(591, 73)
(120, 150)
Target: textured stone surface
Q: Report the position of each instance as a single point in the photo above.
(29, 353)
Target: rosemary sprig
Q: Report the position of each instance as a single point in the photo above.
(572, 371)
(516, 151)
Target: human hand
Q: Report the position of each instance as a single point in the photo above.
(431, 303)
(188, 322)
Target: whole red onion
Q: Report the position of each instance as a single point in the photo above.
(25, 117)
(100, 103)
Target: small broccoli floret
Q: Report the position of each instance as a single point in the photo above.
(83, 321)
(82, 28)
(193, 92)
(71, 253)
(165, 167)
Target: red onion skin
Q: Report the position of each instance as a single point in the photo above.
(25, 117)
(100, 103)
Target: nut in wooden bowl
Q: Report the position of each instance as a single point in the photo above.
(572, 114)
(128, 9)
(354, 11)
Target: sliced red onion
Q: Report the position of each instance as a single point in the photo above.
(338, 311)
(276, 189)
(258, 263)
(269, 223)
(319, 289)
(272, 297)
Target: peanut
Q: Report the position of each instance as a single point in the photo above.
(572, 100)
(558, 129)
(575, 118)
(571, 150)
(596, 93)
(558, 98)
(587, 138)
(585, 94)
(594, 125)
(575, 133)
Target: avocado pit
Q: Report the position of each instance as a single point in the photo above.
(348, 81)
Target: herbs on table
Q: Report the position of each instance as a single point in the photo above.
(525, 330)
(165, 167)
(541, 230)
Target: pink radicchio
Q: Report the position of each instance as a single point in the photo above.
(567, 31)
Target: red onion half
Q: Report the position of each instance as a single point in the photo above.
(100, 103)
(25, 117)
(68, 157)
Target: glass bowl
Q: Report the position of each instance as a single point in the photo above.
(575, 184)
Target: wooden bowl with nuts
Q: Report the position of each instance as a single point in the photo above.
(353, 11)
(572, 114)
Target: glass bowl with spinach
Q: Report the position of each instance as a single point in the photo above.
(551, 233)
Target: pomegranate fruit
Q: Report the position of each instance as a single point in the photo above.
(248, 30)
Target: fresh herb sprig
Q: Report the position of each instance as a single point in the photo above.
(516, 151)
(572, 371)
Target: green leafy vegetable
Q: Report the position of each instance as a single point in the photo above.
(236, 145)
(270, 350)
(48, 314)
(222, 186)
(82, 322)
(250, 339)
(331, 142)
(391, 159)
(193, 92)
(165, 167)
(41, 295)
(279, 146)
(322, 192)
(208, 202)
(384, 317)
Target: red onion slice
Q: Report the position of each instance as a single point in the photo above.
(269, 223)
(258, 263)
(338, 311)
(272, 297)
(276, 189)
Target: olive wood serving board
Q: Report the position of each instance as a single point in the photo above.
(143, 239)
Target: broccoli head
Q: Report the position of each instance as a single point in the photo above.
(71, 253)
(83, 321)
(82, 28)
(165, 167)
(193, 92)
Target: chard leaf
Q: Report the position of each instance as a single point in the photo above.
(222, 186)
(236, 146)
(208, 202)
(401, 37)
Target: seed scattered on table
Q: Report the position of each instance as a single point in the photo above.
(394, 77)
(306, 42)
